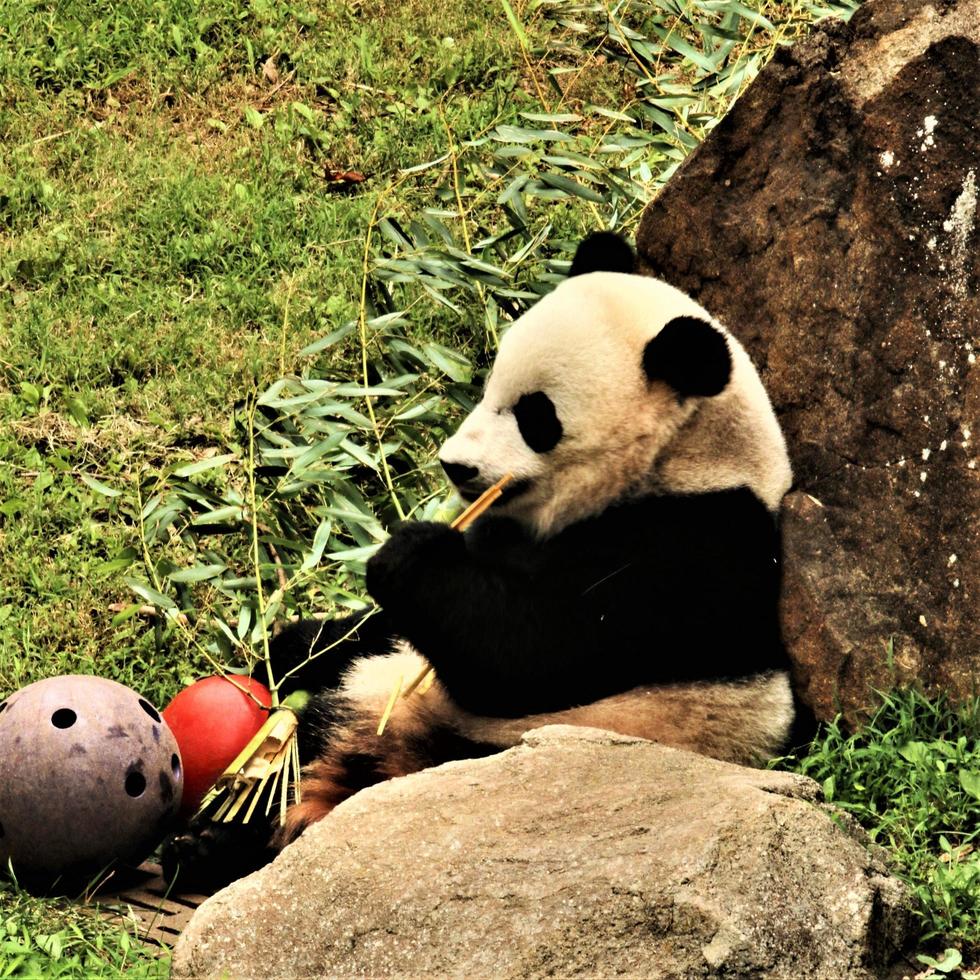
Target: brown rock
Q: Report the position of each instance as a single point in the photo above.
(577, 853)
(830, 222)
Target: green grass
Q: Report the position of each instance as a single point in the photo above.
(160, 255)
(174, 240)
(170, 239)
(58, 939)
(911, 776)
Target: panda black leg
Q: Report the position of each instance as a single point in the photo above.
(206, 856)
(313, 654)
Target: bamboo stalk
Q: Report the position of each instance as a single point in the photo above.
(475, 509)
(390, 706)
(419, 677)
(427, 682)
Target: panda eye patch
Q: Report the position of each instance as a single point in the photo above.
(538, 421)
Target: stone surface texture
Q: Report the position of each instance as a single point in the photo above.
(577, 853)
(830, 222)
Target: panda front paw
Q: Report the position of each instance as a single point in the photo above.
(206, 856)
(413, 548)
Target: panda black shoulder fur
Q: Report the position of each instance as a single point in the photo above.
(627, 579)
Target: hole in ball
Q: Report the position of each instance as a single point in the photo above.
(135, 784)
(150, 710)
(64, 718)
(3, 704)
(175, 765)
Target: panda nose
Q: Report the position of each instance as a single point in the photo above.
(459, 473)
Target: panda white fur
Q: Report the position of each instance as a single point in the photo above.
(628, 578)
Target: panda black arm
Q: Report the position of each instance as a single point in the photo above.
(492, 627)
(675, 588)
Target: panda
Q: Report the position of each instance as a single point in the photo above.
(628, 578)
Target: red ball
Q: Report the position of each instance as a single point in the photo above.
(213, 720)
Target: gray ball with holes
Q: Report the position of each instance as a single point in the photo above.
(90, 774)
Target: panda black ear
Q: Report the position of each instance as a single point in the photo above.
(691, 356)
(603, 251)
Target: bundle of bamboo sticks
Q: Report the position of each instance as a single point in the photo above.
(270, 762)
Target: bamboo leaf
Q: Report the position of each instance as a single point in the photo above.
(360, 454)
(311, 455)
(611, 114)
(244, 621)
(329, 340)
(448, 361)
(674, 40)
(128, 613)
(430, 405)
(202, 465)
(98, 486)
(428, 165)
(518, 134)
(515, 24)
(551, 117)
(197, 573)
(315, 553)
(220, 515)
(354, 554)
(572, 187)
(150, 595)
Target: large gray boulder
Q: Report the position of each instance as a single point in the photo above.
(577, 853)
(830, 221)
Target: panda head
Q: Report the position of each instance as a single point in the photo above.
(611, 387)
